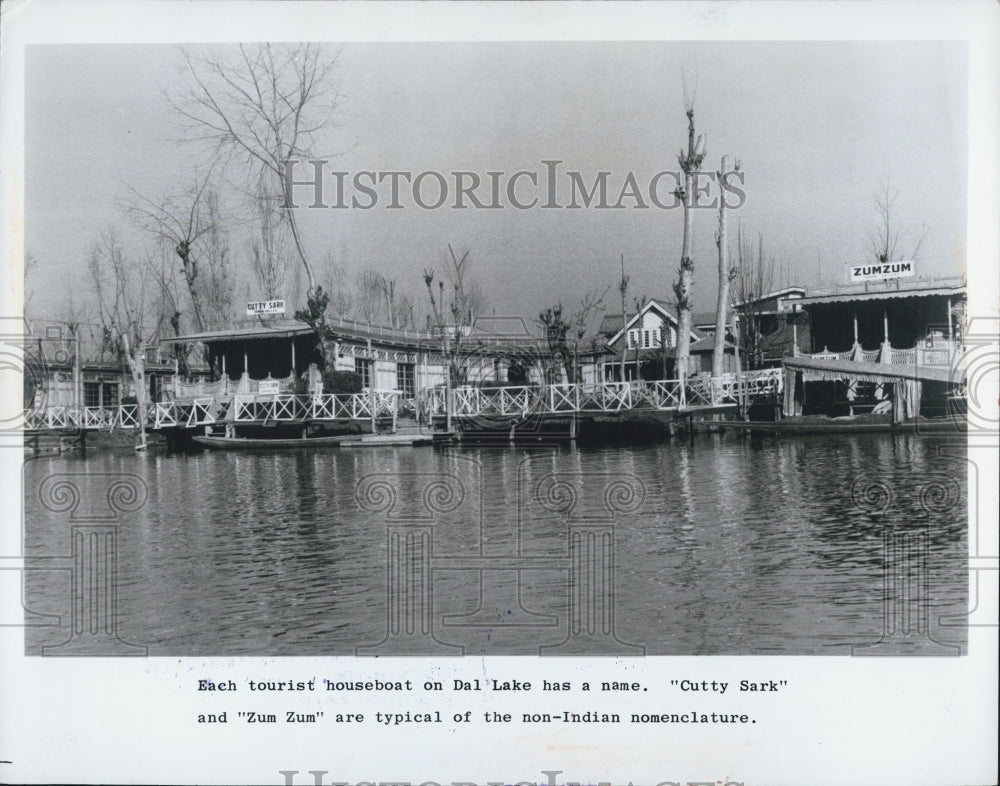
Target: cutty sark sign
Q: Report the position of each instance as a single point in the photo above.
(266, 307)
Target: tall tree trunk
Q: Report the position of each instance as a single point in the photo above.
(623, 286)
(722, 302)
(136, 364)
(685, 282)
(190, 267)
(690, 163)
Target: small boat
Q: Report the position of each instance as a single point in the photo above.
(859, 424)
(381, 440)
(276, 443)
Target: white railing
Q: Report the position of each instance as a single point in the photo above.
(663, 394)
(828, 355)
(466, 401)
(597, 397)
(939, 352)
(127, 416)
(902, 357)
(757, 382)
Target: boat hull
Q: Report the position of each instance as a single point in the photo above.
(244, 443)
(837, 426)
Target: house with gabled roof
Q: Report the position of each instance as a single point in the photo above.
(648, 338)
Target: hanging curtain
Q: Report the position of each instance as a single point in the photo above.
(906, 399)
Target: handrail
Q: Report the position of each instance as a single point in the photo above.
(468, 401)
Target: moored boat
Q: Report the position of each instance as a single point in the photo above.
(248, 443)
(857, 424)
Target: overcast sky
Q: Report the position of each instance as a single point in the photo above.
(818, 128)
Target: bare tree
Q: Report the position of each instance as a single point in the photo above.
(437, 304)
(639, 302)
(30, 265)
(467, 299)
(407, 311)
(690, 163)
(883, 238)
(466, 302)
(590, 304)
(119, 287)
(556, 327)
(180, 220)
(166, 305)
(564, 330)
(264, 106)
(217, 279)
(752, 278)
(336, 283)
(370, 286)
(377, 300)
(399, 306)
(622, 289)
(725, 277)
(268, 257)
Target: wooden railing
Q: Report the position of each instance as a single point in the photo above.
(516, 401)
(936, 351)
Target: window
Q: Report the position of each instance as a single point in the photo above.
(645, 338)
(109, 393)
(404, 379)
(363, 368)
(91, 394)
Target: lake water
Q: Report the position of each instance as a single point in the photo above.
(731, 546)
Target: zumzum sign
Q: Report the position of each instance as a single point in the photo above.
(878, 272)
(266, 307)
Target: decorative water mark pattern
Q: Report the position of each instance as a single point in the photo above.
(23, 366)
(906, 574)
(981, 365)
(94, 505)
(414, 559)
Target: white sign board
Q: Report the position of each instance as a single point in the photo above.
(269, 387)
(266, 307)
(882, 270)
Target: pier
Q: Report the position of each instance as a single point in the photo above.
(468, 405)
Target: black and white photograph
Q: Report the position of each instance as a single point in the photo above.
(613, 396)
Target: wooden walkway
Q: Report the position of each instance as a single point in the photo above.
(512, 402)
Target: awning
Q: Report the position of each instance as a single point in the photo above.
(886, 290)
(242, 334)
(830, 369)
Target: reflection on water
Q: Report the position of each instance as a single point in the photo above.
(727, 547)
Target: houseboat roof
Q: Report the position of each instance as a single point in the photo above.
(285, 328)
(885, 290)
(703, 346)
(484, 333)
(651, 304)
(773, 295)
